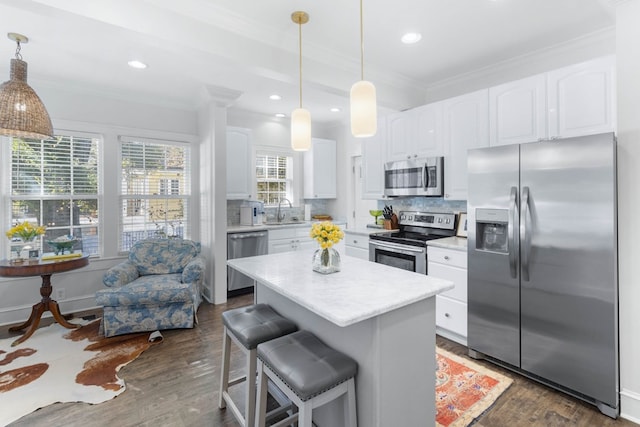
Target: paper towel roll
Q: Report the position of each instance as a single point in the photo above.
(307, 212)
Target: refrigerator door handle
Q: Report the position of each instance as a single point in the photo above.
(513, 217)
(525, 235)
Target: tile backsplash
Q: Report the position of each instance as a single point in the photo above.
(424, 204)
(294, 213)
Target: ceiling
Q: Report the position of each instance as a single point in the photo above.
(249, 48)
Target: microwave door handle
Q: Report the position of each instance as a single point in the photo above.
(425, 176)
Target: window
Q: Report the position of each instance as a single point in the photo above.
(155, 190)
(274, 178)
(54, 182)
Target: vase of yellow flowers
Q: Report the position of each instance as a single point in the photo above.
(326, 259)
(27, 233)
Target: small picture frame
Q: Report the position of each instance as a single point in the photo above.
(462, 225)
(35, 253)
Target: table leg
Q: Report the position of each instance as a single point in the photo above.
(45, 304)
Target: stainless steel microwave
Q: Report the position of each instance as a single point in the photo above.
(417, 177)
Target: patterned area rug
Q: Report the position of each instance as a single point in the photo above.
(64, 365)
(464, 389)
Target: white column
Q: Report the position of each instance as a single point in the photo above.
(212, 129)
(628, 95)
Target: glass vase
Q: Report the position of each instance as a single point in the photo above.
(326, 261)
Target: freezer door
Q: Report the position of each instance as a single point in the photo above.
(569, 264)
(493, 281)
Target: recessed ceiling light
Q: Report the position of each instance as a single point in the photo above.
(275, 97)
(410, 38)
(335, 110)
(137, 64)
(281, 115)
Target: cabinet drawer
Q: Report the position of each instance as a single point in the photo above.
(451, 315)
(356, 240)
(357, 252)
(282, 233)
(303, 232)
(447, 256)
(456, 274)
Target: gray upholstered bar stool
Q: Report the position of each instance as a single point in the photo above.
(247, 327)
(309, 372)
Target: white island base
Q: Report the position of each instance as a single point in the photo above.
(381, 316)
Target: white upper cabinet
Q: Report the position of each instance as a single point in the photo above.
(466, 126)
(373, 159)
(401, 135)
(517, 111)
(320, 170)
(240, 170)
(415, 133)
(581, 98)
(430, 142)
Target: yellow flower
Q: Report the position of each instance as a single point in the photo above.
(326, 234)
(26, 231)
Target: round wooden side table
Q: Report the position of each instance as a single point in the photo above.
(43, 269)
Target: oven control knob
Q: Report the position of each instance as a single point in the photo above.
(439, 220)
(447, 221)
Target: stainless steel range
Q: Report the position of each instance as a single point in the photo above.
(406, 248)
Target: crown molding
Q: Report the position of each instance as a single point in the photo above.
(604, 37)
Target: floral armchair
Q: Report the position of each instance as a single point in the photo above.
(158, 287)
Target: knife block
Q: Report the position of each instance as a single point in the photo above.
(391, 224)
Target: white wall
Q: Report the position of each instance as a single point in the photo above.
(628, 68)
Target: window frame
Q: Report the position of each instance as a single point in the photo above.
(292, 160)
(6, 216)
(170, 229)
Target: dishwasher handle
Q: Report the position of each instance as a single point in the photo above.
(247, 235)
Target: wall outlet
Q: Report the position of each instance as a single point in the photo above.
(61, 293)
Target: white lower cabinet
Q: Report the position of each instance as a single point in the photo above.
(288, 239)
(451, 306)
(296, 238)
(356, 245)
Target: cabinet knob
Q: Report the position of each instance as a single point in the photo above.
(409, 156)
(355, 241)
(447, 315)
(446, 257)
(415, 156)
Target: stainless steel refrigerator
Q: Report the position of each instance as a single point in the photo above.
(542, 245)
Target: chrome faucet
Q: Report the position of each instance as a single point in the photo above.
(278, 216)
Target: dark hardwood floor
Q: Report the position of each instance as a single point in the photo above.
(176, 384)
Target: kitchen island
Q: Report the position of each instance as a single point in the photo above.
(381, 316)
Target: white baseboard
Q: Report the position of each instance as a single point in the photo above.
(11, 315)
(630, 405)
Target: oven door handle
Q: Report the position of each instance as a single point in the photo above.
(396, 247)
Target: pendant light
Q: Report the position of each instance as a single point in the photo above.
(300, 117)
(22, 113)
(364, 112)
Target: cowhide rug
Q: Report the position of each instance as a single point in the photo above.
(64, 365)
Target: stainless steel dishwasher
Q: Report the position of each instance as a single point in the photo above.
(241, 245)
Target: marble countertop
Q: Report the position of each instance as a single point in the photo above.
(360, 291)
(456, 243)
(246, 228)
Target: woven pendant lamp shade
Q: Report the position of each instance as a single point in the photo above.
(22, 113)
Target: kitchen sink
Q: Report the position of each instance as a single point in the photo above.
(289, 222)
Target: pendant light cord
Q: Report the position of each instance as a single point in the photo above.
(300, 58)
(361, 45)
(18, 48)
